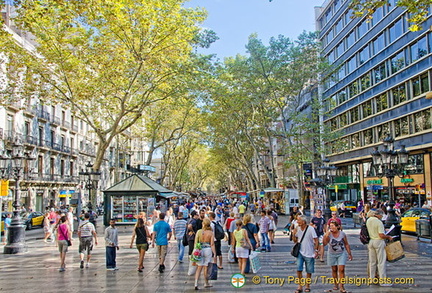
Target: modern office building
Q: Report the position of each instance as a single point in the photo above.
(382, 86)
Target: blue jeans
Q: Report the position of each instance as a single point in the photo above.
(181, 249)
(110, 257)
(265, 241)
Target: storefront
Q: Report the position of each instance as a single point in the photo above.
(135, 194)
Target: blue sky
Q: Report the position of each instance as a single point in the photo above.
(235, 20)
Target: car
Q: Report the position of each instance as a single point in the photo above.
(32, 219)
(408, 219)
(350, 207)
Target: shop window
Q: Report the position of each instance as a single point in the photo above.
(380, 73)
(399, 94)
(422, 121)
(381, 103)
(397, 62)
(396, 30)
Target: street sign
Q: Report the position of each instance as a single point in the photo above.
(4, 190)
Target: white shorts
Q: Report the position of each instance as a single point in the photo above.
(206, 257)
(242, 253)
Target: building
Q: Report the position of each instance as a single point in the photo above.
(382, 87)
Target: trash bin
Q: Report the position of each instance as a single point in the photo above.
(423, 228)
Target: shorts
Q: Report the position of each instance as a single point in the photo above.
(62, 245)
(206, 257)
(242, 252)
(162, 250)
(321, 239)
(309, 261)
(86, 245)
(218, 247)
(142, 246)
(337, 259)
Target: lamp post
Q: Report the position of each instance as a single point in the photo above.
(90, 177)
(325, 176)
(390, 163)
(12, 167)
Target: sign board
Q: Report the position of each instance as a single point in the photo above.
(147, 168)
(66, 193)
(4, 190)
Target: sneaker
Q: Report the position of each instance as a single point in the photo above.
(180, 261)
(116, 269)
(161, 269)
(62, 269)
(87, 265)
(82, 264)
(110, 269)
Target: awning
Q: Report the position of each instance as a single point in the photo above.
(168, 194)
(272, 189)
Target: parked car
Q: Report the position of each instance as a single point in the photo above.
(408, 219)
(350, 207)
(32, 219)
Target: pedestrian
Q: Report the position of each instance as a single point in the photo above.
(376, 246)
(46, 227)
(7, 222)
(308, 251)
(227, 225)
(240, 239)
(264, 225)
(161, 235)
(339, 251)
(63, 236)
(242, 210)
(334, 217)
(252, 231)
(111, 246)
(217, 242)
(272, 227)
(86, 233)
(179, 230)
(205, 237)
(142, 234)
(319, 223)
(70, 221)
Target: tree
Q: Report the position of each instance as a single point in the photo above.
(418, 9)
(106, 59)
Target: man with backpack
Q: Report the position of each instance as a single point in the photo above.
(219, 235)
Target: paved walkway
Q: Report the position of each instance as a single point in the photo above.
(37, 269)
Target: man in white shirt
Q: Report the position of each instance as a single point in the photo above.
(308, 250)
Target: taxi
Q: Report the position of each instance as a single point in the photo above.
(32, 219)
(408, 219)
(350, 207)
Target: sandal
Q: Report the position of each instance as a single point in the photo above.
(343, 291)
(298, 291)
(221, 268)
(307, 290)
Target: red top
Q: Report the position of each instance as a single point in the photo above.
(228, 223)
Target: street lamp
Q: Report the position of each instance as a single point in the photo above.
(390, 163)
(12, 167)
(91, 178)
(325, 176)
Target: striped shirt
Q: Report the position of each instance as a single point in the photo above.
(179, 228)
(86, 229)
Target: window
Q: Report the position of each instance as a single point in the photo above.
(337, 4)
(353, 89)
(401, 127)
(340, 49)
(379, 73)
(366, 109)
(341, 73)
(328, 15)
(40, 166)
(355, 140)
(378, 44)
(350, 39)
(354, 115)
(343, 120)
(368, 136)
(330, 57)
(377, 15)
(362, 29)
(415, 164)
(330, 35)
(62, 168)
(351, 65)
(381, 103)
(424, 83)
(364, 55)
(342, 96)
(71, 169)
(365, 81)
(338, 27)
(52, 139)
(416, 87)
(422, 121)
(419, 49)
(399, 94)
(396, 30)
(382, 132)
(397, 62)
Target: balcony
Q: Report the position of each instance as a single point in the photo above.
(55, 120)
(43, 115)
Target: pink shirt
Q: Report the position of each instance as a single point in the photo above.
(62, 232)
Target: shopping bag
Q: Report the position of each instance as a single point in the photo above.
(394, 251)
(212, 271)
(255, 262)
(231, 257)
(192, 268)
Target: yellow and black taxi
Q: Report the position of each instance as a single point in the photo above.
(408, 219)
(32, 219)
(348, 206)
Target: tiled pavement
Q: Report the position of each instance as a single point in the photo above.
(37, 269)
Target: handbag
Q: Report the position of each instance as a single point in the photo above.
(394, 251)
(296, 248)
(255, 262)
(244, 244)
(185, 241)
(69, 243)
(212, 271)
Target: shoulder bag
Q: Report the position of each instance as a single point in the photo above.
(296, 248)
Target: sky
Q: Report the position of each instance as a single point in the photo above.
(235, 20)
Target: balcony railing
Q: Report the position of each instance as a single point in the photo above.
(43, 114)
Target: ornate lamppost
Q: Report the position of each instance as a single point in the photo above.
(12, 167)
(390, 163)
(90, 178)
(325, 176)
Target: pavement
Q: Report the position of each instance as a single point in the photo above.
(37, 269)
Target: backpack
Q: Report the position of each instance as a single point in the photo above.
(364, 234)
(218, 231)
